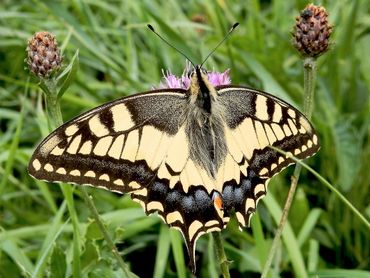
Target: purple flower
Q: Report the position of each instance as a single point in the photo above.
(172, 81)
(219, 78)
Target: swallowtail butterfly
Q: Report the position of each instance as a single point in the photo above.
(193, 156)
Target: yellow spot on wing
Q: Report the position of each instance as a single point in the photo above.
(240, 218)
(122, 118)
(90, 174)
(48, 167)
(178, 152)
(160, 152)
(211, 223)
(263, 171)
(194, 228)
(291, 113)
(309, 143)
(278, 131)
(249, 204)
(194, 178)
(61, 171)
(71, 130)
(142, 192)
(314, 139)
(118, 182)
(249, 134)
(261, 135)
(259, 188)
(150, 139)
(287, 130)
(73, 147)
(261, 108)
(233, 145)
(228, 173)
(75, 173)
(270, 134)
(240, 141)
(163, 172)
(173, 217)
(104, 177)
(207, 181)
(154, 205)
(116, 148)
(101, 148)
(36, 164)
(292, 126)
(276, 117)
(86, 148)
(305, 124)
(131, 145)
(97, 127)
(57, 151)
(134, 185)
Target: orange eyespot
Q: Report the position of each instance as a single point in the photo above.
(217, 202)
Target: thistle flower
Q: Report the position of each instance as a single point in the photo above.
(43, 54)
(312, 31)
(183, 82)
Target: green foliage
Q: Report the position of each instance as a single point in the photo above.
(46, 233)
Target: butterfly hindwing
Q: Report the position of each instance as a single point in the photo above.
(255, 121)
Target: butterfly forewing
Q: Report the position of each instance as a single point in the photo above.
(117, 146)
(254, 122)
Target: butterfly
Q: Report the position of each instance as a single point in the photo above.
(195, 156)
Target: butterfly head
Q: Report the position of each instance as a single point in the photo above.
(200, 85)
(197, 73)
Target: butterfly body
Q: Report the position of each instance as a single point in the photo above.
(194, 156)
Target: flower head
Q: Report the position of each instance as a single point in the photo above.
(183, 82)
(43, 54)
(312, 31)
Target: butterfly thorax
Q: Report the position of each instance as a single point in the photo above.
(204, 124)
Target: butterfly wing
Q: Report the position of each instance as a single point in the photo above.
(117, 146)
(255, 121)
(135, 145)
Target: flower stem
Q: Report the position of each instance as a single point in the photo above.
(220, 251)
(309, 71)
(55, 120)
(309, 65)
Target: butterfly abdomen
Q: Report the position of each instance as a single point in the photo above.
(206, 133)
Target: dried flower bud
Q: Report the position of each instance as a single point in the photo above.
(312, 31)
(43, 54)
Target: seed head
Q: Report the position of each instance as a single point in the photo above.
(43, 54)
(312, 31)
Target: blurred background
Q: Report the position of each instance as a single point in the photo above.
(119, 56)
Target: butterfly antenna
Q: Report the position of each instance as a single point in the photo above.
(221, 42)
(163, 39)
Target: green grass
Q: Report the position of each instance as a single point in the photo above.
(46, 232)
